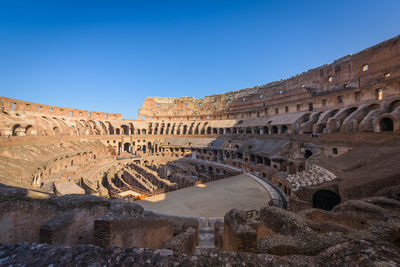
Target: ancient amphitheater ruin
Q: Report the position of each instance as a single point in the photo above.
(303, 171)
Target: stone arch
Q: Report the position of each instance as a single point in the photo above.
(393, 105)
(257, 130)
(29, 130)
(248, 130)
(265, 130)
(215, 131)
(325, 199)
(322, 125)
(16, 130)
(125, 129)
(110, 128)
(102, 127)
(372, 107)
(274, 130)
(221, 131)
(117, 131)
(284, 129)
(386, 125)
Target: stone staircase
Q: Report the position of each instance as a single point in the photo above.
(206, 237)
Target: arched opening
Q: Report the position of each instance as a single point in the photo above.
(143, 131)
(117, 131)
(284, 129)
(29, 130)
(228, 130)
(248, 130)
(386, 125)
(257, 130)
(215, 130)
(15, 129)
(208, 130)
(125, 129)
(127, 147)
(265, 129)
(274, 130)
(325, 199)
(307, 154)
(221, 130)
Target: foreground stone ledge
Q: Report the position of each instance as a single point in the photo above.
(353, 253)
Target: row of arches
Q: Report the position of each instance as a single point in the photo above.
(372, 117)
(378, 116)
(51, 167)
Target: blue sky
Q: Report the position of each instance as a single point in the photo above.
(109, 55)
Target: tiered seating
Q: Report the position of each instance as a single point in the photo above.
(141, 179)
(151, 175)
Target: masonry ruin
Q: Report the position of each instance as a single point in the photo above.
(323, 144)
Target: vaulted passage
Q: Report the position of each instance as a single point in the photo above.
(386, 125)
(325, 199)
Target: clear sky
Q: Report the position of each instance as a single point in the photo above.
(109, 55)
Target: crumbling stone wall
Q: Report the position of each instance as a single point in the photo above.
(33, 217)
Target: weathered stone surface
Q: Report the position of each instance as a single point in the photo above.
(352, 253)
(390, 192)
(292, 233)
(183, 243)
(238, 235)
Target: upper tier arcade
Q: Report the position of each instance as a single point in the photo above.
(358, 75)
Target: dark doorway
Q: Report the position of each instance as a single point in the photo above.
(307, 154)
(325, 199)
(386, 125)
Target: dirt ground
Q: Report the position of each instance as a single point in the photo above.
(212, 199)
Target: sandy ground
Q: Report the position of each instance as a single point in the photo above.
(212, 199)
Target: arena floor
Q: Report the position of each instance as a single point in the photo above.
(212, 199)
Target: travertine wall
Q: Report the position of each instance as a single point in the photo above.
(361, 73)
